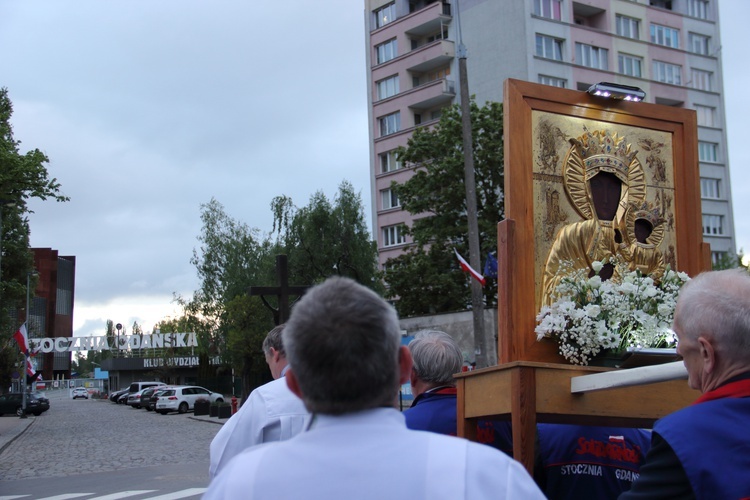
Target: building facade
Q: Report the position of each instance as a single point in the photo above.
(51, 309)
(668, 48)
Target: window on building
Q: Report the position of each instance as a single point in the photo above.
(393, 235)
(628, 27)
(706, 115)
(700, 79)
(385, 14)
(662, 4)
(388, 87)
(390, 124)
(713, 225)
(710, 188)
(708, 151)
(551, 9)
(698, 8)
(718, 257)
(593, 57)
(549, 47)
(554, 81)
(698, 44)
(629, 65)
(664, 35)
(667, 73)
(438, 74)
(388, 162)
(387, 50)
(389, 198)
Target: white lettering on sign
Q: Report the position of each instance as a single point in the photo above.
(101, 343)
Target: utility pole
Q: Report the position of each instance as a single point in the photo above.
(477, 294)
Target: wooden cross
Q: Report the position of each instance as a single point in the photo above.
(282, 291)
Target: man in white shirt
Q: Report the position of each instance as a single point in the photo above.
(272, 412)
(347, 364)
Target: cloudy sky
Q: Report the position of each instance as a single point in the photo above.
(148, 109)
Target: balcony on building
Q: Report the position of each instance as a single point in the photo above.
(431, 18)
(435, 94)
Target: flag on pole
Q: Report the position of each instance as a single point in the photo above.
(22, 339)
(466, 267)
(30, 369)
(490, 266)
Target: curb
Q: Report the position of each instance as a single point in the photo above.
(8, 437)
(208, 419)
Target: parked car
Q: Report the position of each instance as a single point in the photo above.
(122, 399)
(138, 386)
(182, 398)
(150, 395)
(80, 392)
(12, 403)
(43, 401)
(116, 394)
(135, 398)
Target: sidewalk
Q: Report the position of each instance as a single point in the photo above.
(11, 427)
(203, 418)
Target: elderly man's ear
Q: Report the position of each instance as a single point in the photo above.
(292, 383)
(405, 363)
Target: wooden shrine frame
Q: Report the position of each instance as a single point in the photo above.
(532, 382)
(517, 292)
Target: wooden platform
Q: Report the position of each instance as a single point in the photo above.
(525, 393)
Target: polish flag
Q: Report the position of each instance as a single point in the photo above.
(22, 339)
(466, 267)
(29, 368)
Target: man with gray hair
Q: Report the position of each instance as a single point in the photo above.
(347, 364)
(272, 412)
(436, 358)
(703, 451)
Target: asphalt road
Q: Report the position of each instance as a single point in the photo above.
(90, 449)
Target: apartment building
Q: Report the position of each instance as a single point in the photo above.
(669, 48)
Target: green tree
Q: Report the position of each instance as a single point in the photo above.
(22, 176)
(231, 258)
(324, 239)
(247, 323)
(426, 279)
(729, 261)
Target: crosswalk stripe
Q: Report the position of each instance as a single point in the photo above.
(179, 494)
(66, 496)
(122, 494)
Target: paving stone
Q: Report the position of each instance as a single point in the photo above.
(81, 436)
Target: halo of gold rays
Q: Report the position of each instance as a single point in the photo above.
(596, 152)
(644, 210)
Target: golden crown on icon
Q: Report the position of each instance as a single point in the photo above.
(602, 152)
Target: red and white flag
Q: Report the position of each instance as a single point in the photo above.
(22, 339)
(466, 267)
(29, 368)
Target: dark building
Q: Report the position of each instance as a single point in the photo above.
(51, 308)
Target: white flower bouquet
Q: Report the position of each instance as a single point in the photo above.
(589, 315)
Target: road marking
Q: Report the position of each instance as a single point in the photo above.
(66, 496)
(122, 494)
(13, 497)
(179, 494)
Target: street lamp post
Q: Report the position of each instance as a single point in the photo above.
(119, 327)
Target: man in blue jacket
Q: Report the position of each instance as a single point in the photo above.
(436, 358)
(703, 451)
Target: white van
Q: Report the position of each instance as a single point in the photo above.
(139, 386)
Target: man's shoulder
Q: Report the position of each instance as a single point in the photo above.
(276, 397)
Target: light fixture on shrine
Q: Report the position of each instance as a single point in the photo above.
(617, 92)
